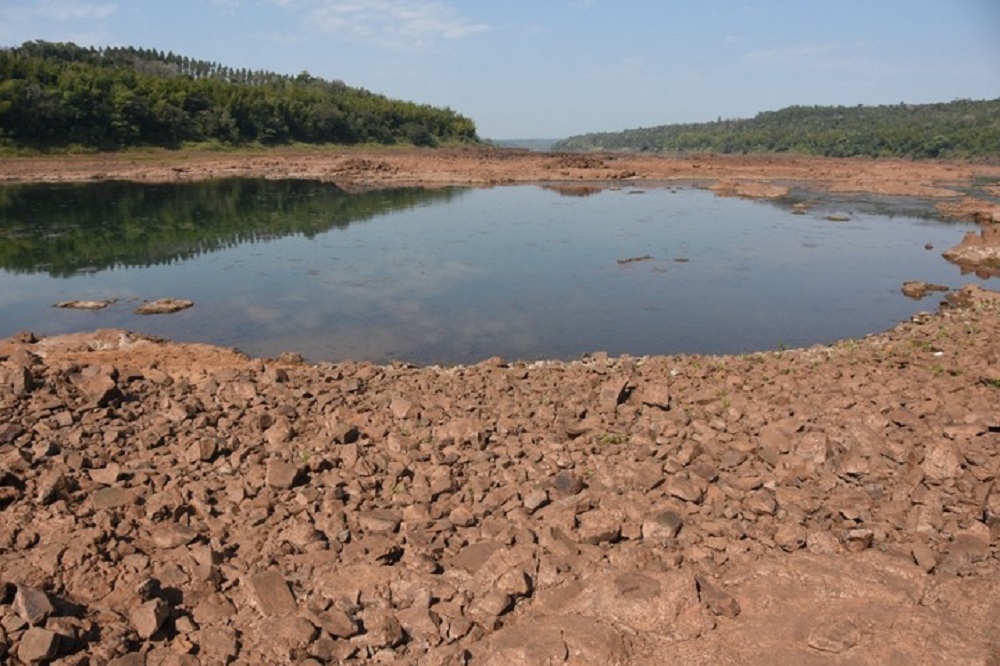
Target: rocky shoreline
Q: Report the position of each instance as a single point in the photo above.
(168, 503)
(183, 504)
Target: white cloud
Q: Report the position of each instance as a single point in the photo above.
(393, 24)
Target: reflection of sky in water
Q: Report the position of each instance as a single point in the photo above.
(524, 273)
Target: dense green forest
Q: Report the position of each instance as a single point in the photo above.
(54, 95)
(959, 129)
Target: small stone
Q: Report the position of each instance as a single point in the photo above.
(111, 498)
(338, 624)
(834, 636)
(613, 393)
(515, 582)
(460, 516)
(172, 535)
(149, 617)
(52, 486)
(535, 499)
(772, 437)
(970, 546)
(98, 385)
(942, 461)
(790, 537)
(20, 380)
(383, 630)
(684, 488)
(271, 594)
(107, 475)
(38, 645)
(492, 604)
(718, 601)
(924, 557)
(656, 395)
(662, 525)
(32, 605)
(344, 433)
(219, 644)
(9, 432)
(295, 632)
(379, 522)
(202, 451)
(281, 475)
(858, 540)
(599, 526)
(567, 483)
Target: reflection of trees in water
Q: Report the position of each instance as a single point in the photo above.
(68, 228)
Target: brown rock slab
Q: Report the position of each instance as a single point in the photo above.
(662, 525)
(171, 535)
(148, 618)
(718, 600)
(836, 636)
(282, 475)
(379, 521)
(112, 498)
(271, 594)
(38, 645)
(219, 643)
(32, 605)
(9, 432)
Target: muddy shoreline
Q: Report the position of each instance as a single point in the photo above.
(168, 503)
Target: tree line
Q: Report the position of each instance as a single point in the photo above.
(55, 95)
(959, 129)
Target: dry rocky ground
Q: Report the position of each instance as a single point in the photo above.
(166, 503)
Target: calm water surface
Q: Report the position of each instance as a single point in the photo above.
(458, 275)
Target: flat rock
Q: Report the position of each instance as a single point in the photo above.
(147, 618)
(32, 605)
(163, 306)
(112, 498)
(85, 305)
(38, 645)
(271, 594)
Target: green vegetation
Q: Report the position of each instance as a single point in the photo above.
(56, 95)
(959, 129)
(65, 229)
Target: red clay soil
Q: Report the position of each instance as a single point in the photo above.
(166, 503)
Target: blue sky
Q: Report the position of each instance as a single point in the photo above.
(553, 68)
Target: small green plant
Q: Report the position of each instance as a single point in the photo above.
(613, 438)
(991, 381)
(305, 455)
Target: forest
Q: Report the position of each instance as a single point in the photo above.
(959, 129)
(59, 95)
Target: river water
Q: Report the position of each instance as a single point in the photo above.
(457, 275)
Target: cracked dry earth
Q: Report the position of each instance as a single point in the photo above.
(182, 504)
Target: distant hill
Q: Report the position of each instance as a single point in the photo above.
(56, 95)
(959, 129)
(537, 145)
